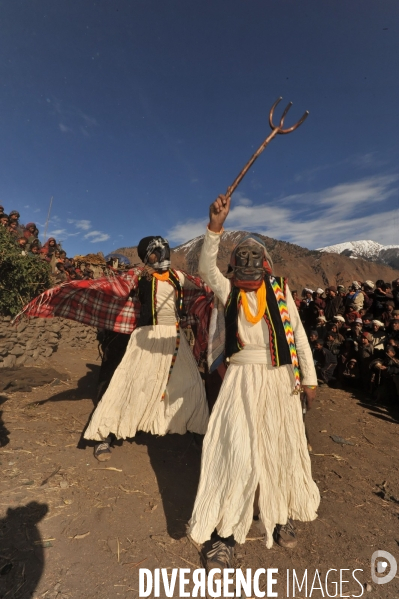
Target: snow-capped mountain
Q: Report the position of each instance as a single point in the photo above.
(366, 248)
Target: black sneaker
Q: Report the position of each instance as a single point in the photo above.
(219, 556)
(284, 535)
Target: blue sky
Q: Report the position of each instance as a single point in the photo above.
(135, 115)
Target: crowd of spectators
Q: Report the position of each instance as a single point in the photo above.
(354, 334)
(26, 237)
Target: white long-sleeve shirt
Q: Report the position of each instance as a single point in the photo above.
(255, 337)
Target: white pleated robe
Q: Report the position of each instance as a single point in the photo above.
(133, 400)
(255, 433)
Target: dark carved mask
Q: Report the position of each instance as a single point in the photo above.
(249, 262)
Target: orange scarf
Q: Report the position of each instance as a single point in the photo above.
(261, 298)
(161, 277)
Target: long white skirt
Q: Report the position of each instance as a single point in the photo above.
(133, 400)
(255, 436)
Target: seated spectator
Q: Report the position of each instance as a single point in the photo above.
(332, 343)
(387, 315)
(348, 352)
(367, 322)
(340, 322)
(393, 330)
(365, 353)
(350, 376)
(325, 362)
(379, 335)
(1, 211)
(351, 315)
(355, 331)
(333, 328)
(4, 222)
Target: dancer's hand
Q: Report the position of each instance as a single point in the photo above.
(218, 212)
(309, 396)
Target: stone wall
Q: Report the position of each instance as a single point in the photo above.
(32, 341)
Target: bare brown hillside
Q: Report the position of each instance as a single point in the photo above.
(303, 267)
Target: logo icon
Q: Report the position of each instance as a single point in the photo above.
(380, 561)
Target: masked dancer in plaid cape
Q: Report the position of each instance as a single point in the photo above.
(255, 448)
(157, 387)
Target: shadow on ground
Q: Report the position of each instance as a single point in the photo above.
(176, 461)
(86, 388)
(4, 432)
(22, 550)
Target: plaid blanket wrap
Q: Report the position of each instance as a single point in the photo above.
(111, 303)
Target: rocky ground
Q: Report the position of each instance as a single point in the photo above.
(72, 527)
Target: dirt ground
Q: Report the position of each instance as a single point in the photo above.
(72, 527)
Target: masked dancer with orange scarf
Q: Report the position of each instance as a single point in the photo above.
(255, 444)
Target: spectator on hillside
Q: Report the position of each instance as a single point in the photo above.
(348, 352)
(368, 292)
(355, 331)
(365, 353)
(30, 232)
(389, 368)
(395, 293)
(351, 316)
(61, 275)
(387, 315)
(22, 243)
(13, 217)
(333, 328)
(342, 291)
(355, 297)
(321, 327)
(34, 250)
(296, 299)
(49, 248)
(325, 362)
(1, 211)
(333, 303)
(367, 323)
(4, 222)
(393, 330)
(379, 335)
(332, 343)
(339, 320)
(350, 375)
(13, 229)
(380, 297)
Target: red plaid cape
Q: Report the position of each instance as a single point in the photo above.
(107, 303)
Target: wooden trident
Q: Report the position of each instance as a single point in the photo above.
(275, 131)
